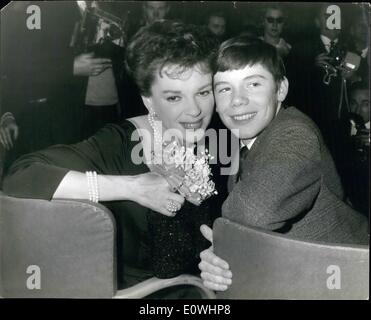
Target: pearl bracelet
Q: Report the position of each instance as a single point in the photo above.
(93, 190)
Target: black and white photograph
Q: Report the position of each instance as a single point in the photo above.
(205, 151)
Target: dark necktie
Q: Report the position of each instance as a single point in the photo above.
(243, 155)
(332, 45)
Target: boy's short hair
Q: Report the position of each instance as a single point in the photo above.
(241, 51)
(165, 43)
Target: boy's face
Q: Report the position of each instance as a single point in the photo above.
(248, 99)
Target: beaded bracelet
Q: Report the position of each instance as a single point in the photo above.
(93, 190)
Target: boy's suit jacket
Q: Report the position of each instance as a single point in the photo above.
(289, 184)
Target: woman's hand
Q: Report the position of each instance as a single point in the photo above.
(150, 190)
(215, 271)
(154, 192)
(176, 182)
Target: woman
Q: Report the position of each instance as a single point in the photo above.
(169, 62)
(273, 24)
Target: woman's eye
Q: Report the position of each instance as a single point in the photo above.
(224, 90)
(173, 99)
(204, 93)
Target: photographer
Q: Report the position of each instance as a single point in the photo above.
(50, 84)
(319, 80)
(359, 43)
(99, 44)
(40, 98)
(357, 136)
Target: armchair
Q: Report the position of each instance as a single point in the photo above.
(267, 265)
(65, 249)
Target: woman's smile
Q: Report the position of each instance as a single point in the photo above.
(191, 125)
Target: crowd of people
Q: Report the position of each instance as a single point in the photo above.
(75, 90)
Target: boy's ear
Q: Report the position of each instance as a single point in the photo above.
(147, 101)
(283, 89)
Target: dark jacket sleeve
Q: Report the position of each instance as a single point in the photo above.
(37, 175)
(36, 63)
(281, 183)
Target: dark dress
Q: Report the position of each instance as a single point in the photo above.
(148, 243)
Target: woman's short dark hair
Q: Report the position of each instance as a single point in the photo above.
(241, 51)
(165, 43)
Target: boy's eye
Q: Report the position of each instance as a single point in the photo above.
(253, 84)
(173, 99)
(204, 93)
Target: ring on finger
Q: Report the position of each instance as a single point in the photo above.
(179, 185)
(175, 188)
(173, 206)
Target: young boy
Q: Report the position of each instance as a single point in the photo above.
(287, 182)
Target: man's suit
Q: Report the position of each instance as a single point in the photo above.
(37, 80)
(307, 90)
(289, 184)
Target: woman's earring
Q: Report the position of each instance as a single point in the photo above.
(156, 127)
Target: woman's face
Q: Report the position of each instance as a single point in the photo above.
(182, 101)
(273, 23)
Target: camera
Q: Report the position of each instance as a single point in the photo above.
(336, 56)
(344, 60)
(360, 138)
(341, 62)
(100, 32)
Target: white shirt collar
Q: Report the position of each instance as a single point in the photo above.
(249, 144)
(283, 43)
(364, 52)
(82, 5)
(327, 42)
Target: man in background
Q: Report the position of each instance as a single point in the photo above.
(317, 86)
(273, 22)
(217, 23)
(43, 79)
